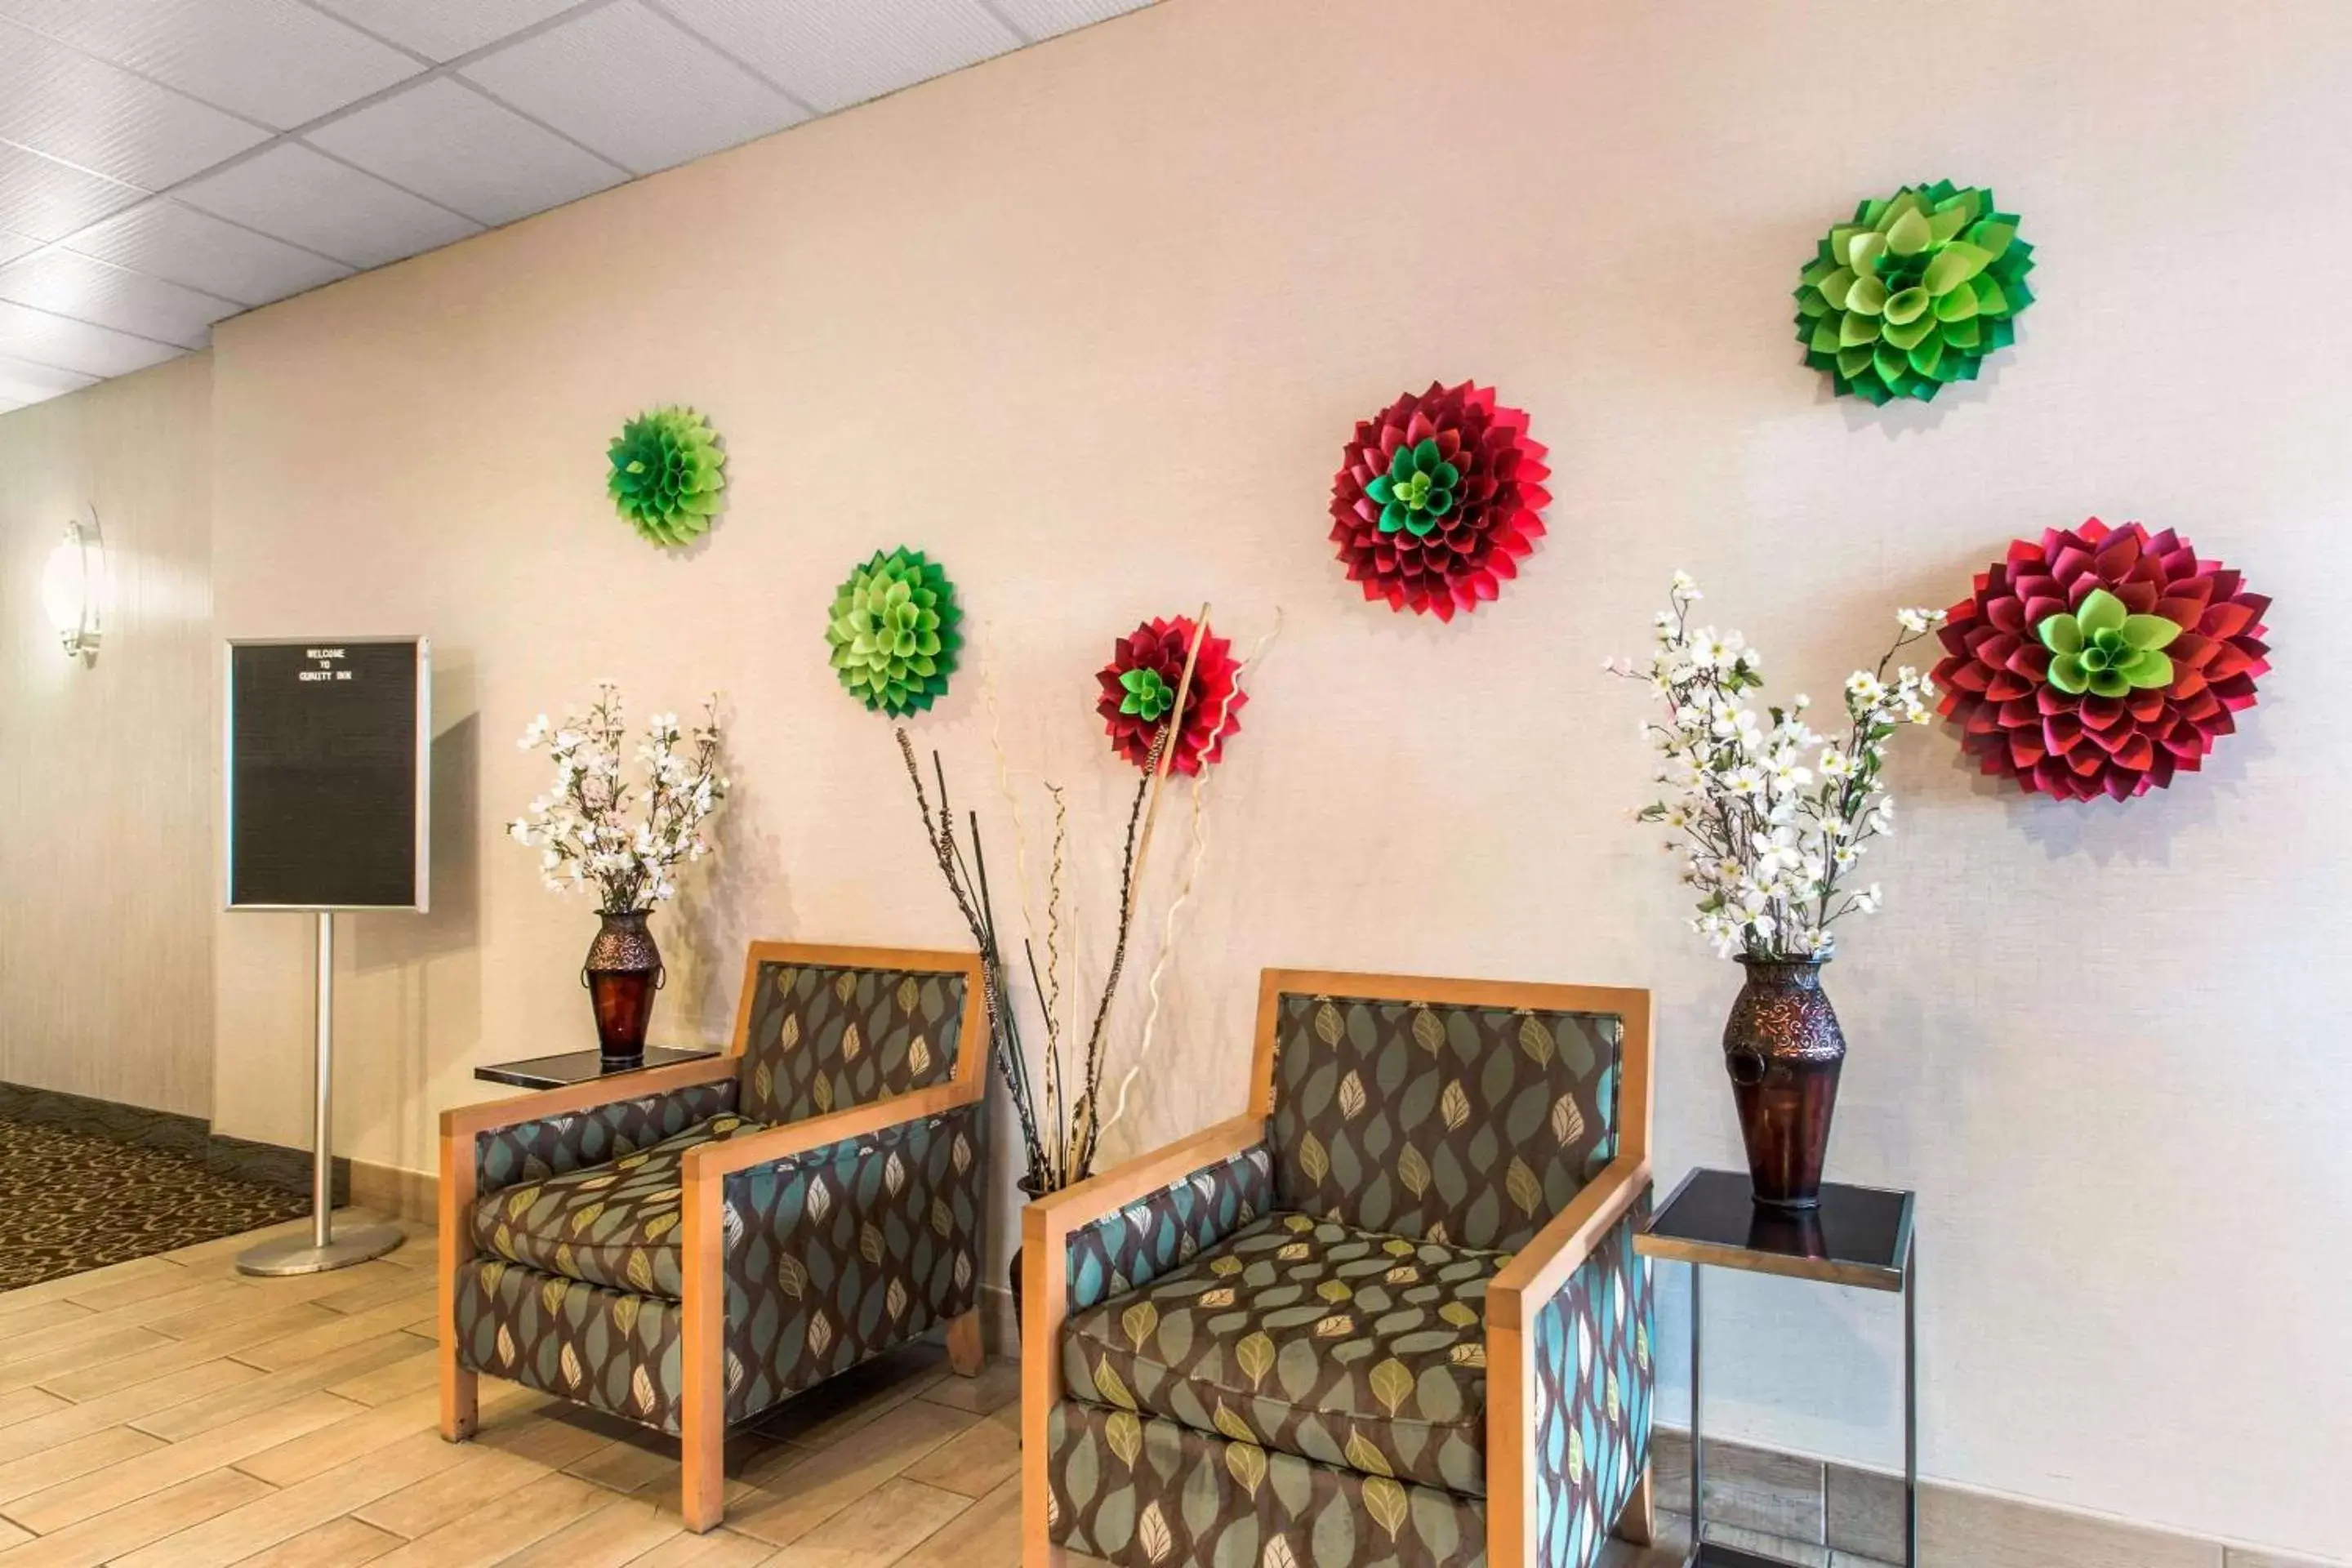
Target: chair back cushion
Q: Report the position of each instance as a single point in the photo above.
(1469, 1126)
(824, 1037)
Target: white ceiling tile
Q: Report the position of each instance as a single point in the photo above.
(14, 244)
(303, 195)
(181, 245)
(835, 53)
(441, 138)
(271, 60)
(444, 29)
(49, 200)
(36, 335)
(69, 285)
(84, 111)
(635, 87)
(1044, 18)
(22, 382)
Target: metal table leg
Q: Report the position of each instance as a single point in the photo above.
(1911, 1407)
(1698, 1444)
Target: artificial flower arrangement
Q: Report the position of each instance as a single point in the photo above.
(1772, 820)
(1171, 699)
(597, 829)
(668, 471)
(1770, 817)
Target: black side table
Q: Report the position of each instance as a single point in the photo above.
(569, 1067)
(1859, 1236)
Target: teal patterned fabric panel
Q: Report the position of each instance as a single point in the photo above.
(615, 1224)
(1594, 1387)
(823, 1039)
(1142, 1492)
(554, 1146)
(836, 1256)
(609, 1349)
(1168, 1228)
(1463, 1126)
(1360, 1351)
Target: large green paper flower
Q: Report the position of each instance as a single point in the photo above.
(1914, 292)
(1417, 492)
(2102, 649)
(666, 475)
(894, 632)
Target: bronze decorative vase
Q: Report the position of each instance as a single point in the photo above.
(623, 971)
(1783, 1049)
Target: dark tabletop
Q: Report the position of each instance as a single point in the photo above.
(1859, 1236)
(569, 1067)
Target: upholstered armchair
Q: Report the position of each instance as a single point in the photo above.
(1391, 1315)
(688, 1246)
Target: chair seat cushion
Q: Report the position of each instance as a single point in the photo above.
(614, 1225)
(1347, 1347)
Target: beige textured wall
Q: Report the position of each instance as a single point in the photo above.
(1090, 324)
(106, 770)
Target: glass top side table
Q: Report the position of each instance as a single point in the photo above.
(567, 1067)
(1860, 1237)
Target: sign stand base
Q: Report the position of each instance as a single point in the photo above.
(323, 1249)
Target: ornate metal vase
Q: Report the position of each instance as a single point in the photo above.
(1783, 1049)
(623, 971)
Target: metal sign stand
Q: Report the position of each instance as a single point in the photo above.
(323, 1249)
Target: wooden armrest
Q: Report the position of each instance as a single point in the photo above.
(705, 1163)
(1543, 1266)
(465, 1121)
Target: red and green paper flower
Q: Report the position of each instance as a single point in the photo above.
(1138, 694)
(2101, 662)
(1437, 497)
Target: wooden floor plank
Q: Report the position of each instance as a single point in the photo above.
(75, 1360)
(258, 1391)
(618, 1532)
(279, 1515)
(125, 1534)
(78, 1287)
(413, 1373)
(134, 1405)
(974, 1462)
(489, 1534)
(793, 1493)
(37, 1473)
(986, 1533)
(720, 1549)
(877, 1530)
(342, 1542)
(147, 1473)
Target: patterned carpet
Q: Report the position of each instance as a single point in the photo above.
(70, 1202)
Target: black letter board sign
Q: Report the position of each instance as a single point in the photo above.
(328, 740)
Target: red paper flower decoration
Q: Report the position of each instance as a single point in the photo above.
(1138, 687)
(1436, 499)
(2028, 613)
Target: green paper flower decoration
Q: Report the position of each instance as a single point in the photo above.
(666, 475)
(1914, 292)
(1417, 492)
(1148, 695)
(894, 632)
(2100, 648)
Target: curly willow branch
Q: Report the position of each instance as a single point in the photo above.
(1184, 889)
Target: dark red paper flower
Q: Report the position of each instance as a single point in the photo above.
(1437, 499)
(2017, 721)
(1138, 687)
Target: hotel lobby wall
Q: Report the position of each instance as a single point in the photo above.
(107, 885)
(1090, 324)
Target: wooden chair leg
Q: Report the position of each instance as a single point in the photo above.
(966, 1354)
(1639, 1522)
(460, 1398)
(702, 1455)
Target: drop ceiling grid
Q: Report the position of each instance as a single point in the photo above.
(165, 162)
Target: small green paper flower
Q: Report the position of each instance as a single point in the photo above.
(2103, 650)
(666, 475)
(1147, 696)
(894, 632)
(1914, 292)
(1417, 492)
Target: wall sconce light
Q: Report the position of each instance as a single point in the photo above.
(72, 582)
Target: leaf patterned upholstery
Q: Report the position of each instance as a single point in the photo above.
(1365, 1353)
(1162, 1229)
(823, 1039)
(614, 1225)
(1594, 1385)
(533, 1151)
(1454, 1124)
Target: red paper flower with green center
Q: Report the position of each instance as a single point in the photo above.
(1437, 499)
(1138, 693)
(2101, 662)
